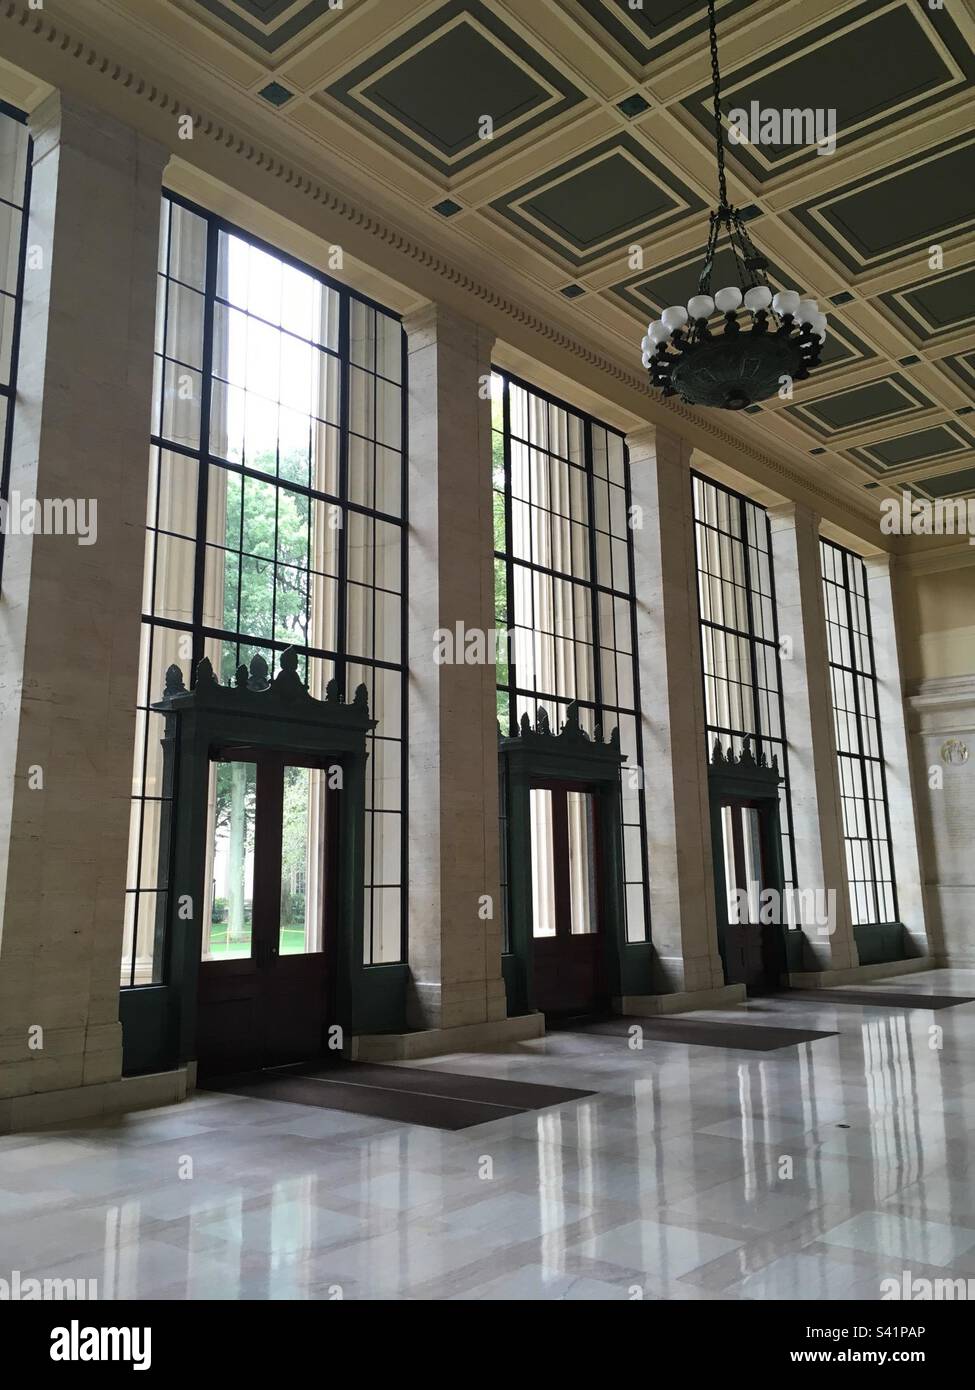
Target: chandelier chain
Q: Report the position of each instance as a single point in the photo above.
(716, 84)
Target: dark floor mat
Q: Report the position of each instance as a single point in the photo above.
(411, 1095)
(881, 998)
(701, 1032)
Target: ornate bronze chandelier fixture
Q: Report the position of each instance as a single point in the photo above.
(731, 365)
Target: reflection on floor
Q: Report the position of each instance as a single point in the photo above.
(814, 1172)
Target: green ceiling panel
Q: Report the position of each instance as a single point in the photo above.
(881, 68)
(919, 201)
(593, 204)
(654, 27)
(265, 12)
(429, 89)
(948, 485)
(936, 442)
(936, 305)
(862, 405)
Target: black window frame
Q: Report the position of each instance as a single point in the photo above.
(200, 632)
(603, 713)
(860, 758)
(763, 740)
(9, 389)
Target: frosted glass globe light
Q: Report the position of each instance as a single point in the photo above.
(728, 300)
(701, 306)
(758, 297)
(808, 311)
(659, 332)
(786, 302)
(674, 318)
(646, 356)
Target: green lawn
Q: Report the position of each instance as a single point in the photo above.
(292, 942)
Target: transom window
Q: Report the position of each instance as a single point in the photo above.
(564, 589)
(859, 743)
(740, 636)
(275, 519)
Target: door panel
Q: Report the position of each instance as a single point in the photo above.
(228, 925)
(748, 953)
(295, 983)
(264, 972)
(228, 1029)
(568, 973)
(582, 863)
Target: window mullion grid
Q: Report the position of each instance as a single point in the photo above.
(597, 653)
(881, 762)
(858, 725)
(203, 482)
(345, 391)
(509, 568)
(637, 694)
(403, 637)
(10, 390)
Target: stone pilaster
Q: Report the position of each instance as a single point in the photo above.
(943, 723)
(455, 948)
(813, 767)
(901, 801)
(682, 907)
(69, 617)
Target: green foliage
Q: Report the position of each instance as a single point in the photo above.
(266, 593)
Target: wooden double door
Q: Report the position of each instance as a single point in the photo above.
(267, 960)
(567, 932)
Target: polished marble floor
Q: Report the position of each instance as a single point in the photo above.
(692, 1173)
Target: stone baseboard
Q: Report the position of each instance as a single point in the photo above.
(646, 1005)
(43, 1108)
(434, 1042)
(858, 974)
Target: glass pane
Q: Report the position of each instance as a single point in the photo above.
(229, 910)
(730, 873)
(543, 868)
(752, 844)
(582, 863)
(302, 860)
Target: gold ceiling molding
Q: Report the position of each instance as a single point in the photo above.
(40, 26)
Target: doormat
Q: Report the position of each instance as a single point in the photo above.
(701, 1032)
(882, 998)
(411, 1095)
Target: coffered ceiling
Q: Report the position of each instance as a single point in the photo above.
(591, 178)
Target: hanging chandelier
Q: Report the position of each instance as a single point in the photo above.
(732, 365)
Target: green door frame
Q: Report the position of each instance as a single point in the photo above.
(537, 755)
(159, 1021)
(746, 778)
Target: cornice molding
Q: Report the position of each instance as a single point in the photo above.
(943, 695)
(40, 26)
(952, 555)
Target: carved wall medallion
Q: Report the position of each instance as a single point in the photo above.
(954, 752)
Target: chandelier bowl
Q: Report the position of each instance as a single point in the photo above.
(734, 372)
(732, 365)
